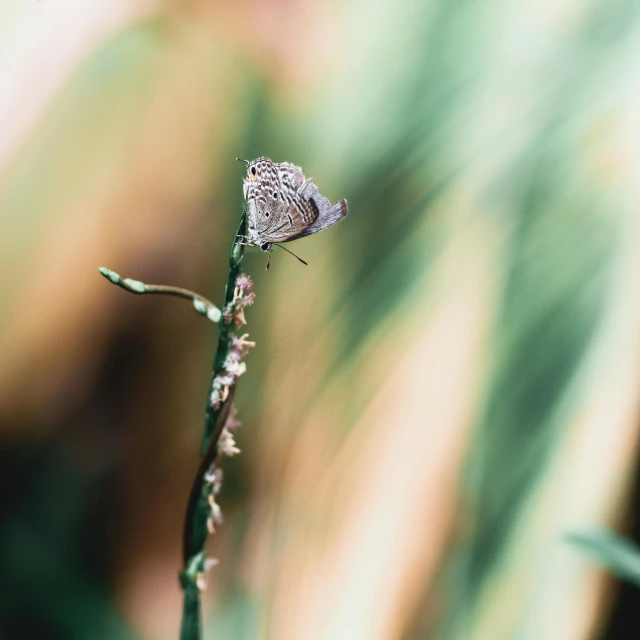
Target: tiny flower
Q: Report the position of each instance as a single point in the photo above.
(238, 316)
(243, 296)
(234, 368)
(224, 379)
(215, 400)
(243, 281)
(215, 516)
(201, 578)
(232, 422)
(227, 445)
(241, 345)
(209, 563)
(216, 511)
(214, 478)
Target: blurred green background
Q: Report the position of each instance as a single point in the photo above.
(449, 387)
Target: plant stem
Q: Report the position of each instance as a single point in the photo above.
(195, 528)
(200, 303)
(217, 415)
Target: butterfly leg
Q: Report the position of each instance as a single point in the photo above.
(267, 247)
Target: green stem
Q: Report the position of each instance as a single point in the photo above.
(203, 306)
(195, 528)
(235, 258)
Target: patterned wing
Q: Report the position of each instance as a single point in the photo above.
(290, 221)
(326, 213)
(261, 189)
(290, 215)
(283, 205)
(291, 177)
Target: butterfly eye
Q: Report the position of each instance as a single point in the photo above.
(253, 170)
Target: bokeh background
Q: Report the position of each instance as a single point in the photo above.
(450, 386)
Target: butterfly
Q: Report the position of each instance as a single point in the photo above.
(283, 205)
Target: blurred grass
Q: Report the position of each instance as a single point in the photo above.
(620, 556)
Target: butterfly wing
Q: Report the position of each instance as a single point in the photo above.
(291, 214)
(327, 213)
(290, 176)
(291, 219)
(256, 206)
(283, 205)
(261, 192)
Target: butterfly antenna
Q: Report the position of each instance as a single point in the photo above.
(241, 160)
(291, 252)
